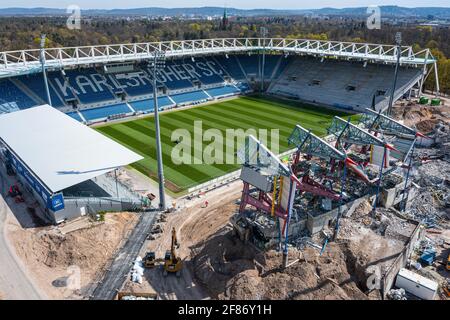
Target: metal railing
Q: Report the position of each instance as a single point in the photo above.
(19, 62)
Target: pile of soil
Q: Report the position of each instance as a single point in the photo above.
(427, 126)
(51, 253)
(423, 117)
(231, 270)
(219, 259)
(85, 248)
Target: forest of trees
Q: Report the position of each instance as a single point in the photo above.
(20, 33)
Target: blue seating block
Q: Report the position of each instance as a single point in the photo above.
(105, 112)
(189, 97)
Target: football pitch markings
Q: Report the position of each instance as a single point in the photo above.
(251, 112)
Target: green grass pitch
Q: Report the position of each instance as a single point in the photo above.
(240, 113)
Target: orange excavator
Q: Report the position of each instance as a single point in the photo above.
(173, 263)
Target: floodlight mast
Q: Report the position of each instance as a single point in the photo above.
(159, 60)
(44, 72)
(264, 33)
(398, 40)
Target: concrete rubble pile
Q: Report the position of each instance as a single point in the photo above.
(130, 297)
(397, 294)
(432, 204)
(442, 139)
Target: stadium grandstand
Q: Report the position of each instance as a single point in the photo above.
(93, 84)
(66, 165)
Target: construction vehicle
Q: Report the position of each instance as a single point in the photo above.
(173, 263)
(150, 260)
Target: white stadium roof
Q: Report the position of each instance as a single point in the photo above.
(59, 150)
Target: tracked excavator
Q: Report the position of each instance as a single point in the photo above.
(173, 263)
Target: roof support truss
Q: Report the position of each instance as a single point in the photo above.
(14, 63)
(308, 143)
(255, 154)
(376, 121)
(347, 132)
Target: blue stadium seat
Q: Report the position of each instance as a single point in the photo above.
(231, 66)
(283, 64)
(35, 83)
(173, 76)
(249, 63)
(271, 62)
(7, 107)
(148, 105)
(135, 84)
(205, 70)
(75, 115)
(90, 86)
(182, 73)
(189, 97)
(105, 112)
(62, 86)
(10, 93)
(223, 91)
(243, 86)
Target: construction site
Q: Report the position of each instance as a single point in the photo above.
(354, 210)
(338, 217)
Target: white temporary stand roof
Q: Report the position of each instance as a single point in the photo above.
(59, 150)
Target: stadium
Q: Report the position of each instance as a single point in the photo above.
(72, 118)
(108, 84)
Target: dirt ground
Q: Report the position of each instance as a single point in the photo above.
(194, 223)
(423, 117)
(219, 266)
(231, 270)
(61, 258)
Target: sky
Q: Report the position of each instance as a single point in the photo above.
(248, 4)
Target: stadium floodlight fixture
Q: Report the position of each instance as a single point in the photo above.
(322, 59)
(365, 64)
(193, 59)
(226, 55)
(159, 61)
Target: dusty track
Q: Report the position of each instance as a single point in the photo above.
(194, 224)
(14, 281)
